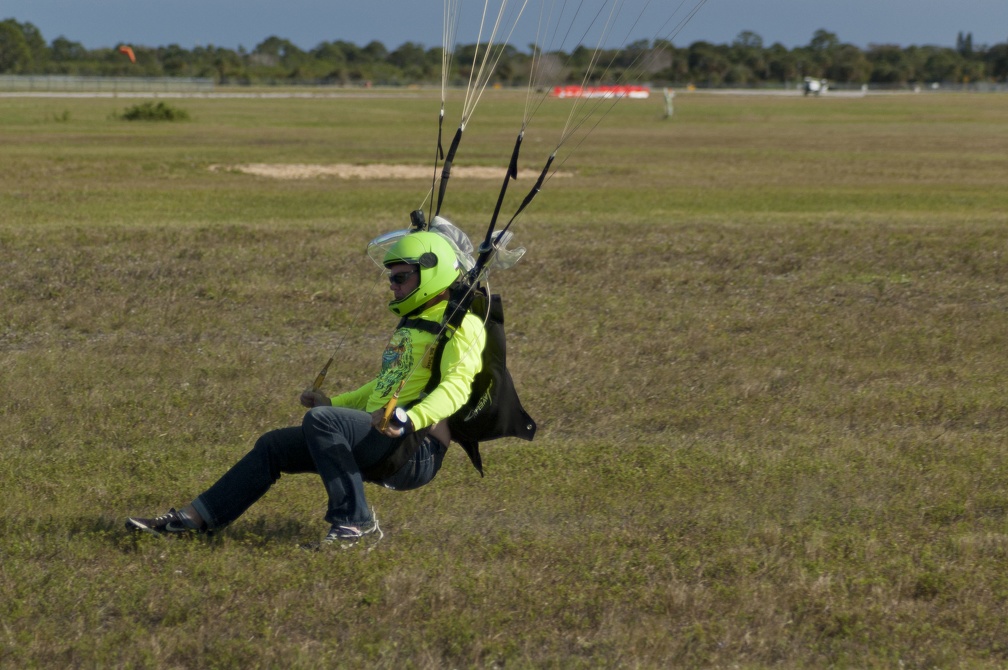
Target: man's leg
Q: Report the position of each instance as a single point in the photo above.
(340, 441)
(277, 452)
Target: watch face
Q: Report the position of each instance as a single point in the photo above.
(400, 415)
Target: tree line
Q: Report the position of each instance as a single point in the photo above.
(747, 61)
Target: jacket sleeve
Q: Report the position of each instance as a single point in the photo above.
(462, 359)
(355, 399)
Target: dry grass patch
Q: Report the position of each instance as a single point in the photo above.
(348, 171)
(771, 409)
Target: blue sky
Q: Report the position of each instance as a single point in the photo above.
(234, 23)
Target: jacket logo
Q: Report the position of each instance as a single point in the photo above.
(484, 400)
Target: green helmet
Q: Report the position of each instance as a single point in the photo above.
(436, 260)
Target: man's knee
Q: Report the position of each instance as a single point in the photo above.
(316, 420)
(280, 449)
(328, 428)
(328, 420)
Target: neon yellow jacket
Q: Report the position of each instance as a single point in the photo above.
(461, 361)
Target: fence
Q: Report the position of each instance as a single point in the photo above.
(71, 84)
(181, 85)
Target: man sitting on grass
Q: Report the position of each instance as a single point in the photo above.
(345, 439)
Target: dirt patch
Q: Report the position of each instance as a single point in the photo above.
(347, 171)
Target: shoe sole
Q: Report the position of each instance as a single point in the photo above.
(371, 539)
(137, 527)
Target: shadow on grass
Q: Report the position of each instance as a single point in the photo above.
(112, 531)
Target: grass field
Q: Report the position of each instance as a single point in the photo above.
(764, 341)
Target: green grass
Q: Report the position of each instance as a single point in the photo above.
(763, 340)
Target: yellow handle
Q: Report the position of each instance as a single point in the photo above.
(389, 409)
(317, 384)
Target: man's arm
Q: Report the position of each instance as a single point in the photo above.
(462, 359)
(356, 399)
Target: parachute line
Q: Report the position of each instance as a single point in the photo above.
(557, 21)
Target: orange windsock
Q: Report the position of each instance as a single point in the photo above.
(129, 52)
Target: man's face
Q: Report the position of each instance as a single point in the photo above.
(403, 278)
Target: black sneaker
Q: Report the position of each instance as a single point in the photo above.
(348, 536)
(344, 536)
(170, 523)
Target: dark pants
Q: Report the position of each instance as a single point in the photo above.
(334, 442)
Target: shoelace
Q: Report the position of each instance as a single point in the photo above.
(166, 518)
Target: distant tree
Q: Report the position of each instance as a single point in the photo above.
(408, 54)
(824, 41)
(413, 62)
(676, 62)
(434, 57)
(745, 61)
(747, 39)
(942, 65)
(996, 60)
(629, 56)
(848, 64)
(890, 64)
(511, 66)
(820, 52)
(657, 59)
(226, 66)
(738, 74)
(964, 44)
(465, 55)
(973, 71)
(329, 52)
(63, 50)
(549, 68)
(174, 60)
(332, 60)
(782, 64)
(747, 51)
(278, 51)
(375, 52)
(15, 52)
(708, 62)
(581, 57)
(40, 52)
(351, 52)
(609, 66)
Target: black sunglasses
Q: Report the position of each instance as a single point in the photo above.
(400, 278)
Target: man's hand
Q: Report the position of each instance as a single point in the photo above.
(312, 398)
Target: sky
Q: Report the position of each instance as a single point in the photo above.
(306, 23)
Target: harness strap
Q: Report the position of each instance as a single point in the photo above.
(433, 328)
(405, 447)
(426, 325)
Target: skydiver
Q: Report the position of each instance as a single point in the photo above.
(346, 439)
